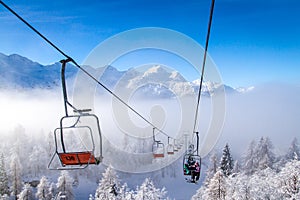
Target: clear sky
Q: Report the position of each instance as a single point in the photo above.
(252, 41)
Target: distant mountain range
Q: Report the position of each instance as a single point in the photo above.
(20, 72)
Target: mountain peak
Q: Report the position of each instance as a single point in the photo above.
(154, 70)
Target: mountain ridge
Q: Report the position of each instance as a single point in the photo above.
(20, 72)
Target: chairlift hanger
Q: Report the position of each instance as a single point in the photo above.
(170, 147)
(193, 153)
(158, 148)
(82, 157)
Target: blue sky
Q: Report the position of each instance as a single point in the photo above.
(252, 41)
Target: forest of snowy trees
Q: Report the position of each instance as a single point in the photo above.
(24, 174)
(260, 173)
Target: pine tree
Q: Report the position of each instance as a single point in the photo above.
(64, 186)
(200, 194)
(148, 191)
(212, 168)
(241, 187)
(263, 185)
(43, 190)
(294, 149)
(37, 159)
(216, 189)
(108, 188)
(125, 193)
(236, 167)
(290, 179)
(226, 161)
(4, 188)
(249, 159)
(265, 155)
(52, 189)
(15, 173)
(26, 193)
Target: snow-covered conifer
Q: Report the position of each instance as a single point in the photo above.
(26, 193)
(289, 180)
(249, 159)
(148, 191)
(108, 188)
(293, 149)
(64, 186)
(43, 190)
(37, 160)
(265, 155)
(216, 189)
(200, 193)
(212, 168)
(239, 187)
(263, 185)
(226, 164)
(16, 176)
(236, 167)
(4, 188)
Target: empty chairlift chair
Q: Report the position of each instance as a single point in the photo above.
(158, 148)
(78, 141)
(170, 147)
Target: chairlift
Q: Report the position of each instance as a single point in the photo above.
(189, 162)
(76, 137)
(170, 147)
(175, 148)
(158, 148)
(192, 160)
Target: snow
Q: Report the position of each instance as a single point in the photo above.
(27, 150)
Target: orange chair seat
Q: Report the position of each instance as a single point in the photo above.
(78, 158)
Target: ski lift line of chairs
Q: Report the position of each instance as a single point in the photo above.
(81, 123)
(158, 147)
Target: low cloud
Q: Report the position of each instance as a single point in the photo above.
(269, 110)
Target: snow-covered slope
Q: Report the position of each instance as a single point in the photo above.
(18, 71)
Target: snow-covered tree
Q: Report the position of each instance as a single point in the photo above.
(26, 193)
(216, 189)
(293, 149)
(53, 189)
(148, 191)
(125, 193)
(200, 194)
(289, 184)
(109, 185)
(64, 186)
(16, 176)
(238, 187)
(4, 188)
(249, 159)
(37, 158)
(236, 167)
(43, 190)
(264, 154)
(212, 168)
(226, 164)
(263, 185)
